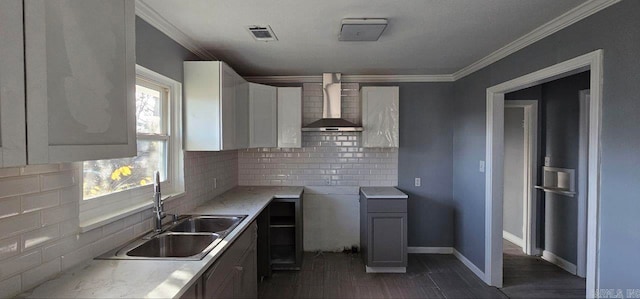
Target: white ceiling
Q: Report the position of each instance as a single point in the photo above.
(424, 37)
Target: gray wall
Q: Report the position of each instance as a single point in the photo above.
(561, 113)
(426, 151)
(617, 31)
(159, 53)
(513, 171)
(426, 130)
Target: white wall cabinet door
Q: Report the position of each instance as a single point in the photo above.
(80, 71)
(228, 109)
(263, 116)
(242, 113)
(290, 117)
(13, 151)
(380, 116)
(216, 107)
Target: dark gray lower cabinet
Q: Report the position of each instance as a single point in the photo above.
(387, 239)
(383, 233)
(234, 273)
(285, 233)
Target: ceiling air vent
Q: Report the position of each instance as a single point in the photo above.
(362, 30)
(262, 33)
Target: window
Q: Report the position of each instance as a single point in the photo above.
(107, 176)
(117, 187)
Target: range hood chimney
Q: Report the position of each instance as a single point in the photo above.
(332, 120)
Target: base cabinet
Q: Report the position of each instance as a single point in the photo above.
(234, 274)
(383, 233)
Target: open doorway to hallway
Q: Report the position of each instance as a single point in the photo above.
(543, 225)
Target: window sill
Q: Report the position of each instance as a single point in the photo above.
(97, 222)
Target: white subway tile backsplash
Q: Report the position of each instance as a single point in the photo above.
(40, 236)
(8, 172)
(109, 242)
(59, 214)
(76, 257)
(10, 287)
(322, 161)
(18, 224)
(9, 247)
(39, 208)
(9, 206)
(12, 186)
(19, 264)
(58, 180)
(40, 201)
(36, 169)
(69, 227)
(35, 276)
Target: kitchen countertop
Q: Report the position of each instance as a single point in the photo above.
(382, 192)
(160, 279)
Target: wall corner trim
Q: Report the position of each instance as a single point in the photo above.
(567, 19)
(145, 12)
(469, 264)
(431, 250)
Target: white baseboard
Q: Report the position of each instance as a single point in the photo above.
(560, 262)
(469, 264)
(433, 250)
(512, 238)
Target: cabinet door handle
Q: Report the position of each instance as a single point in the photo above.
(239, 268)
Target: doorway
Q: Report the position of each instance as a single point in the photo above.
(520, 211)
(495, 162)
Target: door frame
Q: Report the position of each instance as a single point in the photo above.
(495, 161)
(529, 207)
(583, 174)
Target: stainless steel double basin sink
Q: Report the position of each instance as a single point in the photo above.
(191, 237)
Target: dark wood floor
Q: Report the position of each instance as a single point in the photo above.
(532, 277)
(340, 275)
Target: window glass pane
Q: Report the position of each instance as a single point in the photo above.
(106, 176)
(148, 110)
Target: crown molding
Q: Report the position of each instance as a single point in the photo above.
(567, 19)
(144, 11)
(353, 78)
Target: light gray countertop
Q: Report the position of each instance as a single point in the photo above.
(160, 279)
(382, 192)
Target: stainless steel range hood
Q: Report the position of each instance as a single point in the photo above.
(332, 120)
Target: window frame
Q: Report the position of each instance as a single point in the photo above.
(97, 211)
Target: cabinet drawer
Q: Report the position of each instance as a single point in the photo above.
(386, 205)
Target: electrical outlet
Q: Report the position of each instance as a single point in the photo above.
(417, 182)
(215, 183)
(481, 168)
(547, 161)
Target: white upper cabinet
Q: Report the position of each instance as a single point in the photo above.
(216, 107)
(289, 117)
(263, 116)
(380, 116)
(80, 79)
(242, 113)
(13, 151)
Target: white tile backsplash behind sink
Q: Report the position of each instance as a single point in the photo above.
(39, 216)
